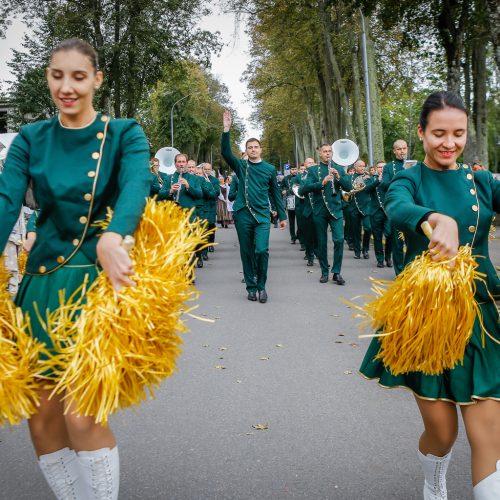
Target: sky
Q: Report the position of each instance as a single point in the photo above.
(228, 66)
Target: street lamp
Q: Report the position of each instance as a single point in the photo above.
(172, 116)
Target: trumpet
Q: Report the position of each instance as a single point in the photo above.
(158, 176)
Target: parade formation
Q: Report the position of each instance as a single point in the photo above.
(104, 228)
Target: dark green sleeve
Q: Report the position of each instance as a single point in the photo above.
(31, 225)
(386, 177)
(208, 190)
(495, 189)
(216, 186)
(275, 198)
(134, 180)
(233, 189)
(195, 190)
(346, 182)
(371, 184)
(311, 183)
(13, 185)
(227, 154)
(400, 205)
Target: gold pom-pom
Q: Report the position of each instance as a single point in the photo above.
(426, 315)
(115, 349)
(21, 261)
(19, 366)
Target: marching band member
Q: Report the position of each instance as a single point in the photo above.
(360, 207)
(286, 186)
(459, 205)
(251, 210)
(381, 227)
(211, 203)
(158, 181)
(80, 162)
(347, 204)
(400, 149)
(324, 183)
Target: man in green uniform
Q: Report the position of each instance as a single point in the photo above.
(183, 187)
(286, 186)
(360, 205)
(257, 187)
(347, 210)
(400, 149)
(211, 203)
(158, 181)
(380, 223)
(324, 183)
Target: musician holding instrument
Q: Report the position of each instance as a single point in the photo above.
(360, 185)
(286, 186)
(299, 205)
(158, 181)
(210, 203)
(381, 227)
(324, 182)
(258, 186)
(307, 229)
(183, 187)
(400, 150)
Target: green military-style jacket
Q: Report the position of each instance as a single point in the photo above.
(469, 197)
(324, 197)
(287, 183)
(187, 197)
(377, 197)
(299, 202)
(390, 170)
(258, 185)
(76, 174)
(361, 201)
(233, 188)
(31, 225)
(161, 192)
(211, 199)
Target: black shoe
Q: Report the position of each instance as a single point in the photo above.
(366, 255)
(357, 256)
(292, 242)
(211, 249)
(302, 248)
(262, 296)
(199, 263)
(204, 257)
(338, 279)
(324, 278)
(380, 264)
(310, 263)
(252, 296)
(388, 262)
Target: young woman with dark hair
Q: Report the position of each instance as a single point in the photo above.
(80, 162)
(459, 205)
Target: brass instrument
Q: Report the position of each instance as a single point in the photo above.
(358, 185)
(345, 152)
(158, 176)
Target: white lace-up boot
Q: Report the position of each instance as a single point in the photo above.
(62, 472)
(489, 487)
(101, 470)
(435, 475)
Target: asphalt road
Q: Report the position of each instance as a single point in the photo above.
(290, 364)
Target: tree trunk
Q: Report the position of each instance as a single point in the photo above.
(115, 62)
(480, 88)
(470, 152)
(312, 128)
(325, 81)
(493, 10)
(359, 124)
(451, 24)
(376, 114)
(101, 56)
(326, 24)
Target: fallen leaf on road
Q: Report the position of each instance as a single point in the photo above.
(261, 427)
(279, 345)
(220, 367)
(264, 358)
(348, 372)
(238, 381)
(339, 342)
(205, 345)
(310, 272)
(353, 344)
(222, 348)
(341, 335)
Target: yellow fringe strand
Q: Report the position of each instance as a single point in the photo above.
(115, 349)
(21, 261)
(19, 365)
(426, 315)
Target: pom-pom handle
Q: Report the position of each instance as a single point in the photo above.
(427, 229)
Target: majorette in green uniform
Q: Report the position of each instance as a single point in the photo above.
(400, 149)
(459, 205)
(327, 211)
(290, 200)
(80, 163)
(360, 208)
(251, 213)
(381, 227)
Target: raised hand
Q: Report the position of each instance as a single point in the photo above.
(227, 120)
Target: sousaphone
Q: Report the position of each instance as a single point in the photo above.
(166, 156)
(344, 152)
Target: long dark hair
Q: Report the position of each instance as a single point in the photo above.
(440, 100)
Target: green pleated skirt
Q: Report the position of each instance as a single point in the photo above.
(477, 378)
(39, 295)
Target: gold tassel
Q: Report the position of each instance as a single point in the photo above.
(426, 316)
(115, 349)
(19, 365)
(21, 261)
